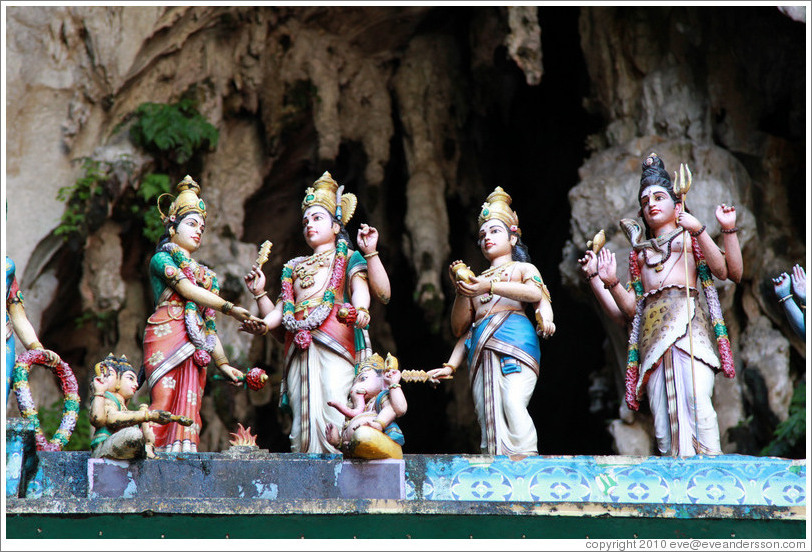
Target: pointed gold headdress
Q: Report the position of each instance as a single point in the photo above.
(187, 201)
(377, 363)
(497, 206)
(326, 193)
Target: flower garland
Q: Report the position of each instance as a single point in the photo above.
(199, 274)
(633, 359)
(717, 319)
(317, 316)
(28, 409)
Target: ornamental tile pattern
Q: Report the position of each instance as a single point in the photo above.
(705, 480)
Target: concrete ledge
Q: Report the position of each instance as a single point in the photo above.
(237, 507)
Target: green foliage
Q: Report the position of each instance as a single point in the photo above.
(104, 321)
(792, 431)
(79, 198)
(152, 186)
(51, 417)
(176, 131)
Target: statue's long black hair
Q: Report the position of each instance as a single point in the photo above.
(343, 234)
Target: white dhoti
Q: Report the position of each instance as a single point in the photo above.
(671, 398)
(503, 357)
(501, 407)
(316, 375)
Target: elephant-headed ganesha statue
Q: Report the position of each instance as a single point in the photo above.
(375, 400)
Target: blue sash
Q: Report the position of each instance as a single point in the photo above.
(515, 339)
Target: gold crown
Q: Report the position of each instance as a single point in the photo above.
(377, 363)
(187, 201)
(497, 206)
(111, 362)
(372, 362)
(326, 192)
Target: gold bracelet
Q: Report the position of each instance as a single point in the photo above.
(492, 283)
(370, 255)
(220, 360)
(363, 309)
(35, 345)
(226, 307)
(394, 386)
(784, 298)
(260, 296)
(453, 368)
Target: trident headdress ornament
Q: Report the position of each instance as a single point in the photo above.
(326, 193)
(497, 206)
(187, 201)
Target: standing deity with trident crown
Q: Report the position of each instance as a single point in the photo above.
(671, 352)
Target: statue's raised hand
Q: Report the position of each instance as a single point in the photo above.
(255, 280)
(391, 377)
(781, 285)
(799, 283)
(726, 215)
(589, 263)
(105, 382)
(607, 266)
(689, 222)
(367, 239)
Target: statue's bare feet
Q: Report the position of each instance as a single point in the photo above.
(150, 450)
(332, 435)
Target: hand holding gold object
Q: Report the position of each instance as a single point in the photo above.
(462, 273)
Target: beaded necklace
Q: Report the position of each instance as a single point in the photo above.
(202, 276)
(497, 272)
(316, 317)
